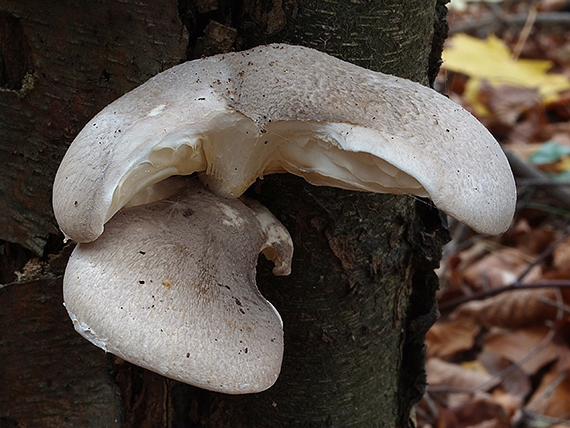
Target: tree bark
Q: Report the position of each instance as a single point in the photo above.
(361, 295)
(60, 63)
(63, 61)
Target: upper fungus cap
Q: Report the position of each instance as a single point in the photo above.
(239, 116)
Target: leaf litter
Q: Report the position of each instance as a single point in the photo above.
(500, 354)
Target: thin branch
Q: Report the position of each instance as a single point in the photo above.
(542, 256)
(515, 285)
(493, 22)
(454, 303)
(559, 195)
(525, 33)
(532, 418)
(554, 303)
(536, 182)
(517, 364)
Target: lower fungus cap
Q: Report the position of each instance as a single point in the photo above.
(170, 286)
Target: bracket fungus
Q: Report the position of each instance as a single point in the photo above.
(168, 289)
(236, 117)
(232, 119)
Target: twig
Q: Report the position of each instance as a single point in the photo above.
(542, 256)
(531, 418)
(557, 305)
(516, 284)
(517, 364)
(543, 399)
(536, 182)
(531, 18)
(558, 194)
(547, 208)
(491, 20)
(454, 303)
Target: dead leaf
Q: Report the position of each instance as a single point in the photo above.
(515, 114)
(490, 423)
(500, 268)
(507, 104)
(447, 338)
(551, 5)
(454, 376)
(530, 240)
(561, 255)
(529, 348)
(560, 108)
(446, 419)
(481, 411)
(475, 252)
(491, 60)
(507, 401)
(511, 309)
(552, 397)
(513, 381)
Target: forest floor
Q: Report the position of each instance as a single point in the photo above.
(500, 354)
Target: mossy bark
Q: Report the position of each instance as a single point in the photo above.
(361, 295)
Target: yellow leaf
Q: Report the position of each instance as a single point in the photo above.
(490, 60)
(471, 94)
(564, 164)
(474, 366)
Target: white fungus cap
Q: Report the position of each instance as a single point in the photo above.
(239, 116)
(170, 286)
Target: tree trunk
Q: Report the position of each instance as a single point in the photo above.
(361, 295)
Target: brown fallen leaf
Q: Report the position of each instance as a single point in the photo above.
(500, 268)
(511, 309)
(481, 411)
(507, 401)
(446, 418)
(552, 397)
(530, 348)
(514, 381)
(516, 114)
(530, 240)
(490, 423)
(551, 5)
(449, 337)
(508, 103)
(455, 377)
(561, 256)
